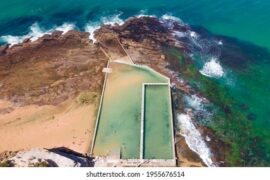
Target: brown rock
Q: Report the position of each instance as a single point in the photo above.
(186, 157)
(163, 57)
(57, 34)
(50, 60)
(3, 49)
(27, 40)
(7, 154)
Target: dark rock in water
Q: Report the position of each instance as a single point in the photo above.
(179, 27)
(227, 109)
(3, 49)
(244, 107)
(141, 28)
(251, 116)
(235, 53)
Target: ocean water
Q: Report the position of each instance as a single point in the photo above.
(234, 75)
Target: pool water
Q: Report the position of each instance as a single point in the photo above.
(119, 123)
(157, 128)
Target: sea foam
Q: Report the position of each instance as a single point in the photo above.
(64, 27)
(169, 21)
(144, 13)
(212, 68)
(170, 17)
(196, 44)
(35, 32)
(194, 139)
(194, 102)
(91, 27)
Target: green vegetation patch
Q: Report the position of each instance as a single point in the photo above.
(6, 163)
(40, 164)
(87, 98)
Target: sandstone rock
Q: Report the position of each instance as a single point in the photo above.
(57, 34)
(163, 57)
(52, 158)
(27, 40)
(3, 49)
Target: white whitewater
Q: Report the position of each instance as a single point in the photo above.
(144, 13)
(35, 32)
(91, 27)
(195, 102)
(170, 17)
(194, 139)
(212, 68)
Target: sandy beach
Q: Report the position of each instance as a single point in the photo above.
(69, 124)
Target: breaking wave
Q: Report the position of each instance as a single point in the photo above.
(170, 17)
(169, 21)
(200, 46)
(144, 13)
(197, 45)
(91, 27)
(194, 102)
(194, 139)
(212, 68)
(200, 108)
(185, 35)
(35, 32)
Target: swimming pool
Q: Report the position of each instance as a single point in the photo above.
(118, 129)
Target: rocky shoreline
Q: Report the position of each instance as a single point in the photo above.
(59, 66)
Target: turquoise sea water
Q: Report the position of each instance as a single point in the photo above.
(245, 19)
(243, 26)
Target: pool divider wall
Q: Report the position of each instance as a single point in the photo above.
(142, 122)
(172, 122)
(99, 109)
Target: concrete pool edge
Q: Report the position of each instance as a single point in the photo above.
(106, 162)
(169, 162)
